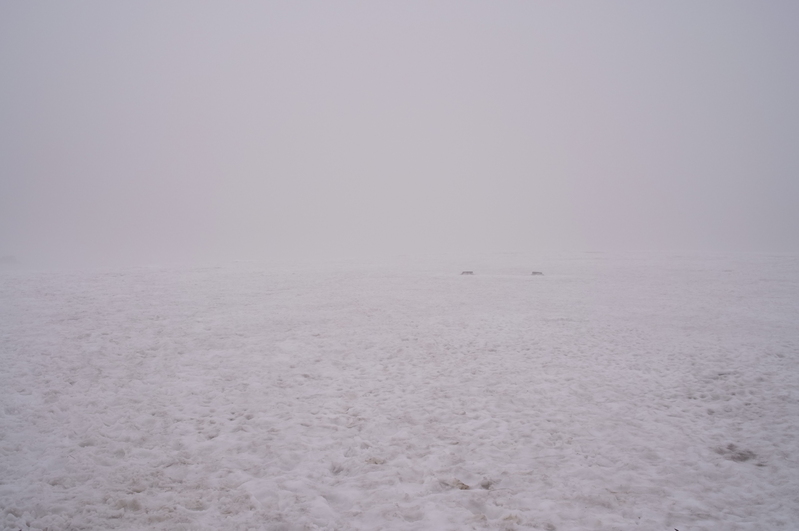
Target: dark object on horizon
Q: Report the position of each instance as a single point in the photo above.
(537, 273)
(467, 273)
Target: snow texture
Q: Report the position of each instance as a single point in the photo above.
(625, 391)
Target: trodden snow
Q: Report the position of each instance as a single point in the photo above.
(616, 391)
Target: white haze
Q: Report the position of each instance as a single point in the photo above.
(150, 132)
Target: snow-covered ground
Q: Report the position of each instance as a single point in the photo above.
(616, 391)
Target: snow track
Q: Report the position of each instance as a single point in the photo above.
(633, 391)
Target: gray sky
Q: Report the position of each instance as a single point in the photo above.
(158, 131)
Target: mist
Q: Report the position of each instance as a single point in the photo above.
(149, 132)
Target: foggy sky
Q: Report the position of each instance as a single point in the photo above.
(141, 132)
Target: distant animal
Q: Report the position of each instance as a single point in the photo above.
(467, 273)
(537, 273)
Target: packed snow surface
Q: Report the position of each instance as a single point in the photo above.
(615, 391)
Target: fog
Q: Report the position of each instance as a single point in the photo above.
(150, 132)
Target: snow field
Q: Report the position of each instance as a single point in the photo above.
(635, 391)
